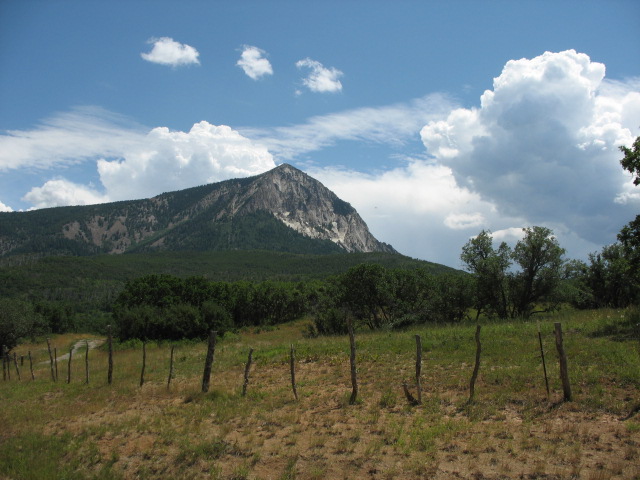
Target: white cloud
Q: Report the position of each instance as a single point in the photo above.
(69, 138)
(320, 78)
(389, 124)
(5, 208)
(60, 192)
(166, 51)
(253, 62)
(169, 160)
(543, 146)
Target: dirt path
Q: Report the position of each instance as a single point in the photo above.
(77, 346)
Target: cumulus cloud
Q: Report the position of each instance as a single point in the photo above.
(320, 78)
(543, 145)
(61, 192)
(132, 161)
(172, 160)
(166, 51)
(253, 62)
(5, 208)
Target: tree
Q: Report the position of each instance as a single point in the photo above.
(505, 292)
(631, 160)
(540, 258)
(18, 320)
(490, 267)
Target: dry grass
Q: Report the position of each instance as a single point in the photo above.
(511, 430)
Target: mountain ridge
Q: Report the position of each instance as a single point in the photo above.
(283, 209)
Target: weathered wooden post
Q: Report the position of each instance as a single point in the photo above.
(476, 369)
(69, 365)
(564, 371)
(292, 365)
(31, 366)
(53, 373)
(247, 369)
(86, 363)
(15, 362)
(352, 361)
(419, 367)
(170, 367)
(110, 343)
(4, 363)
(55, 361)
(211, 348)
(544, 363)
(144, 362)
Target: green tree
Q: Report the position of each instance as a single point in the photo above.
(631, 160)
(540, 257)
(490, 268)
(18, 319)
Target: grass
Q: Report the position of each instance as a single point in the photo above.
(60, 430)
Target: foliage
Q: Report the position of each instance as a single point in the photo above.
(503, 292)
(631, 160)
(18, 320)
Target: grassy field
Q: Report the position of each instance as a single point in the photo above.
(511, 430)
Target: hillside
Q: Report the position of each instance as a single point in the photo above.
(281, 210)
(94, 280)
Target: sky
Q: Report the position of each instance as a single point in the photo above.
(434, 119)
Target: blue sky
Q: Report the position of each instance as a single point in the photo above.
(433, 119)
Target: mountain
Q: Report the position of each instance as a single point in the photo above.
(282, 210)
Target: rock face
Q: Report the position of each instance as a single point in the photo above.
(283, 209)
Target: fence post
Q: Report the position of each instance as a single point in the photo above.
(31, 366)
(211, 348)
(419, 367)
(86, 363)
(247, 368)
(15, 362)
(53, 373)
(144, 362)
(292, 364)
(69, 365)
(170, 367)
(352, 361)
(4, 363)
(544, 363)
(476, 369)
(110, 342)
(55, 361)
(564, 371)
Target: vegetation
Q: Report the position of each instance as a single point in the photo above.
(511, 430)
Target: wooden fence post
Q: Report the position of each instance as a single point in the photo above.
(69, 365)
(15, 362)
(419, 367)
(144, 362)
(247, 368)
(292, 364)
(86, 363)
(31, 366)
(476, 369)
(564, 371)
(170, 367)
(544, 363)
(211, 348)
(352, 361)
(4, 363)
(55, 361)
(110, 342)
(53, 373)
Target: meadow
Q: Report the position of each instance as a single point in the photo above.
(60, 430)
